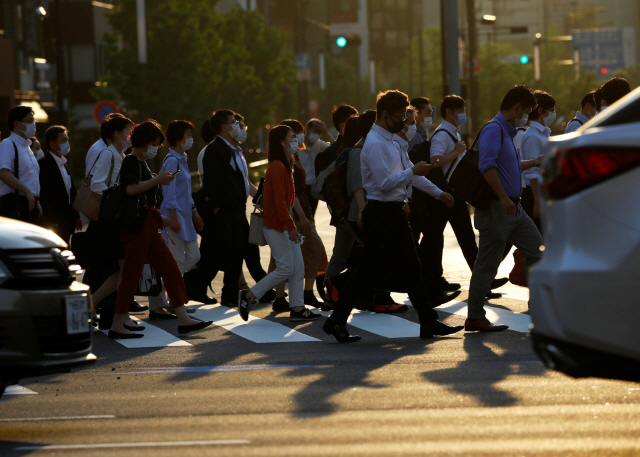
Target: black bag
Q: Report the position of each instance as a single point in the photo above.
(467, 182)
(422, 153)
(334, 190)
(10, 203)
(123, 211)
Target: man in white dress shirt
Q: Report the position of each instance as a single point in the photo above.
(19, 183)
(587, 111)
(390, 260)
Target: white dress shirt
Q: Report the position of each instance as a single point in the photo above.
(200, 166)
(517, 140)
(574, 125)
(386, 171)
(239, 159)
(442, 143)
(534, 143)
(92, 155)
(28, 171)
(308, 159)
(101, 180)
(66, 177)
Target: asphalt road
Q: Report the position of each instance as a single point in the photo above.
(272, 388)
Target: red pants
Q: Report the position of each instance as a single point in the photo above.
(147, 245)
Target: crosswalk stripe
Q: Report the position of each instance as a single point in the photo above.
(255, 329)
(154, 337)
(18, 390)
(513, 292)
(386, 325)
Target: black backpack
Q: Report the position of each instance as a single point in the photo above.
(422, 153)
(467, 182)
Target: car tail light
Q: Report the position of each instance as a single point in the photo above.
(573, 170)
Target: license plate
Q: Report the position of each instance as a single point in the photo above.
(77, 314)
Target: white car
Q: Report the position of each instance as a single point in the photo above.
(585, 291)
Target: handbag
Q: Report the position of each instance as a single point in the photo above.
(150, 284)
(125, 212)
(256, 232)
(87, 201)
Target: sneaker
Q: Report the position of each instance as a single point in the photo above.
(244, 304)
(391, 308)
(280, 304)
(304, 314)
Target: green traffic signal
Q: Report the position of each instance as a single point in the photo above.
(341, 42)
(524, 60)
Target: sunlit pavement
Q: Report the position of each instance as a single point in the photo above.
(272, 388)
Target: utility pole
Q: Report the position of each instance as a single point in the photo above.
(301, 47)
(61, 75)
(474, 103)
(451, 33)
(443, 47)
(421, 61)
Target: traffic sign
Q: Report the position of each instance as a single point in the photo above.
(103, 109)
(303, 61)
(345, 28)
(605, 49)
(472, 64)
(314, 104)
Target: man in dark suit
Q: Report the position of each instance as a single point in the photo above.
(57, 190)
(225, 188)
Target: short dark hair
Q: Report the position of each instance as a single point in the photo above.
(340, 114)
(145, 133)
(614, 89)
(52, 134)
(366, 121)
(238, 117)
(219, 118)
(105, 124)
(544, 101)
(588, 98)
(391, 101)
(518, 94)
(597, 97)
(115, 124)
(18, 113)
(452, 102)
(176, 131)
(294, 125)
(277, 135)
(420, 102)
(206, 132)
(351, 133)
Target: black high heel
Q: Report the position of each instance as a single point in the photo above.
(133, 328)
(123, 336)
(155, 316)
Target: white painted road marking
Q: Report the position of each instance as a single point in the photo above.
(18, 390)
(255, 329)
(386, 325)
(63, 418)
(51, 447)
(154, 337)
(213, 369)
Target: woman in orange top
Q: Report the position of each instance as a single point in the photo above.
(279, 229)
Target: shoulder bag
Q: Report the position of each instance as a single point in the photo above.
(256, 232)
(87, 201)
(10, 203)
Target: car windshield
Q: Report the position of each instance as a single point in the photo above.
(625, 111)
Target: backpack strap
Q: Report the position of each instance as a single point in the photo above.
(577, 120)
(16, 164)
(475, 141)
(455, 140)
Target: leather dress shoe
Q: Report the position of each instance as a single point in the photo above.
(182, 329)
(171, 310)
(133, 328)
(498, 283)
(339, 332)
(448, 286)
(156, 316)
(482, 325)
(135, 307)
(493, 295)
(438, 328)
(444, 298)
(124, 336)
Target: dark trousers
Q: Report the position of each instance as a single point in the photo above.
(527, 206)
(389, 261)
(433, 240)
(17, 207)
(313, 202)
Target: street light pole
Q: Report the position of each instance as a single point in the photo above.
(451, 32)
(61, 75)
(474, 103)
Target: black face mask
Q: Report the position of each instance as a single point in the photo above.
(397, 125)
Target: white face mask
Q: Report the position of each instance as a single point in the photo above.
(411, 132)
(549, 119)
(313, 137)
(126, 144)
(31, 129)
(292, 148)
(187, 144)
(235, 130)
(64, 149)
(300, 138)
(522, 122)
(462, 118)
(242, 136)
(39, 154)
(151, 152)
(426, 123)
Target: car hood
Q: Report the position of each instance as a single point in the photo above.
(20, 235)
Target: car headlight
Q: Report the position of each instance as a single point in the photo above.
(5, 274)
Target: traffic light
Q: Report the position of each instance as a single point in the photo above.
(524, 59)
(604, 71)
(348, 41)
(341, 42)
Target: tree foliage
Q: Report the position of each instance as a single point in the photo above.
(198, 61)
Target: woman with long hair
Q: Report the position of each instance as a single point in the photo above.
(279, 229)
(147, 245)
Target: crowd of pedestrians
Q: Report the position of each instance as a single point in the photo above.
(384, 178)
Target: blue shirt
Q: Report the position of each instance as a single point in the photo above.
(177, 194)
(505, 159)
